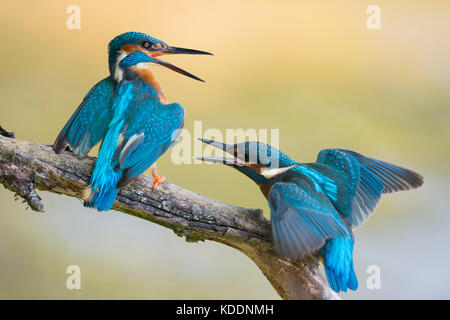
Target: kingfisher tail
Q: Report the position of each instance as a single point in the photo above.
(338, 264)
(103, 189)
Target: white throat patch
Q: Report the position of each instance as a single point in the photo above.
(118, 72)
(272, 172)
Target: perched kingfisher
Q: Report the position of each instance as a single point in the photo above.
(314, 206)
(129, 112)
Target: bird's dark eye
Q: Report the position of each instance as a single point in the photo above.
(146, 44)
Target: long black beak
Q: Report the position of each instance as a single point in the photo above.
(227, 161)
(176, 69)
(225, 147)
(176, 50)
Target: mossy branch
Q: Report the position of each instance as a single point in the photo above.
(26, 167)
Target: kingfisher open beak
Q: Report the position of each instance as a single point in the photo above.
(153, 53)
(225, 147)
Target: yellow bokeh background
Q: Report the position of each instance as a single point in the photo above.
(311, 69)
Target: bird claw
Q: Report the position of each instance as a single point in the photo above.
(158, 180)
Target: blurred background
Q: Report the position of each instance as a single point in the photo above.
(312, 70)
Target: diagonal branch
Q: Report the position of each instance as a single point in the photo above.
(27, 166)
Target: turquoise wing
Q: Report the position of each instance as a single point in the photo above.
(89, 124)
(302, 219)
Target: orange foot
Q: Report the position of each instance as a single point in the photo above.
(158, 180)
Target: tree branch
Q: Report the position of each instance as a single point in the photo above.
(27, 166)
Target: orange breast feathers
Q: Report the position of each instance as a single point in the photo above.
(150, 78)
(265, 189)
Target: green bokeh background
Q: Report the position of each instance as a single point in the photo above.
(312, 70)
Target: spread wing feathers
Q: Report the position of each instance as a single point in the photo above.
(367, 197)
(148, 135)
(89, 124)
(393, 178)
(368, 180)
(302, 219)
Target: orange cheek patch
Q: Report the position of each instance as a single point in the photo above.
(130, 48)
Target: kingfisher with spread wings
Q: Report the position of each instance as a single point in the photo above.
(314, 206)
(129, 112)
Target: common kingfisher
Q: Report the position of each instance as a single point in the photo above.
(314, 206)
(129, 112)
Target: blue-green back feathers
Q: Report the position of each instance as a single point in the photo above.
(156, 129)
